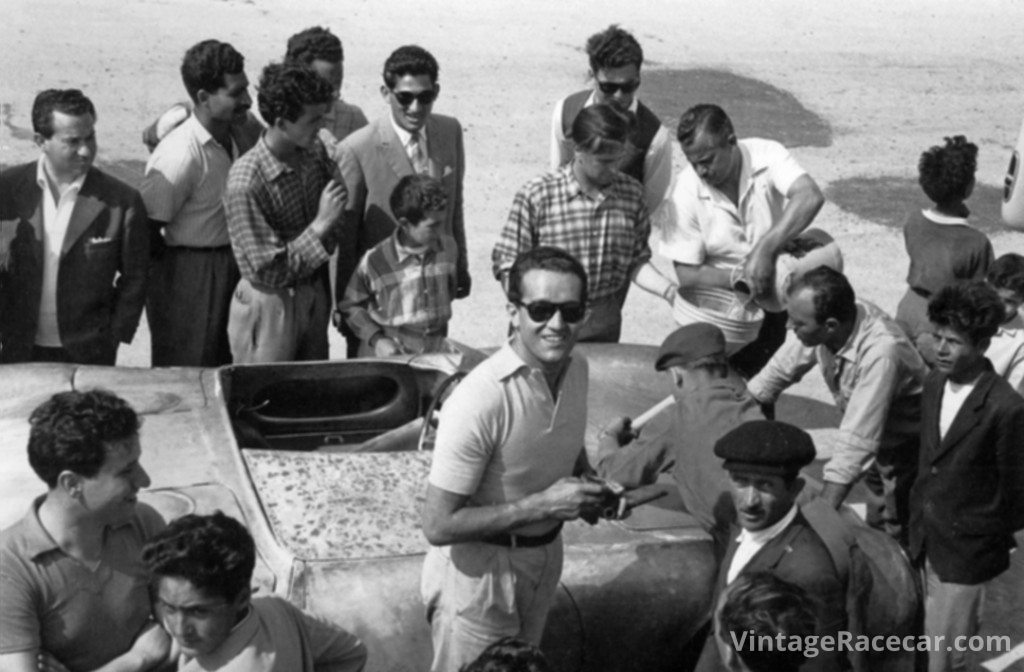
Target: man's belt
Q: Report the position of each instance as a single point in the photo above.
(520, 541)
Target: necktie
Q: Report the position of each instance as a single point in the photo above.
(417, 156)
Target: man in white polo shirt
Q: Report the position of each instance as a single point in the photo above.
(194, 272)
(731, 211)
(501, 483)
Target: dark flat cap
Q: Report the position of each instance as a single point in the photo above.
(766, 446)
(689, 343)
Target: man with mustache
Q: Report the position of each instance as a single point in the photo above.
(764, 459)
(194, 272)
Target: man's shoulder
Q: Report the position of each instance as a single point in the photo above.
(807, 550)
(18, 173)
(1001, 397)
(108, 188)
(364, 137)
(763, 147)
(445, 124)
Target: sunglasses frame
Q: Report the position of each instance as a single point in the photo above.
(421, 96)
(554, 308)
(611, 88)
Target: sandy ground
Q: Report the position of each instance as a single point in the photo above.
(891, 78)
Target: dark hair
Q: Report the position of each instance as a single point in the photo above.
(544, 258)
(1007, 272)
(216, 554)
(409, 60)
(602, 128)
(509, 654)
(945, 173)
(973, 309)
(415, 195)
(833, 294)
(205, 65)
(711, 119)
(286, 89)
(763, 605)
(314, 44)
(67, 101)
(613, 47)
(70, 432)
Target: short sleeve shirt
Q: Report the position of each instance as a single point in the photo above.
(186, 177)
(703, 227)
(54, 602)
(502, 436)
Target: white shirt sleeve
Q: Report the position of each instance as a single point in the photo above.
(561, 148)
(658, 170)
(783, 170)
(679, 229)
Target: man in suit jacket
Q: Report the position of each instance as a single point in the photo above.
(764, 459)
(408, 140)
(74, 245)
(968, 499)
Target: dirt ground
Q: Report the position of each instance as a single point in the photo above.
(888, 79)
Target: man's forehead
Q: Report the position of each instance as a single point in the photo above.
(72, 123)
(413, 83)
(541, 283)
(618, 74)
(123, 450)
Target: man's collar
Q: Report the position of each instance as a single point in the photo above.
(272, 166)
(936, 217)
(402, 252)
(762, 537)
(35, 539)
(848, 350)
(44, 182)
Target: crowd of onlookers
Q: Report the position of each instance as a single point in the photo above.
(250, 235)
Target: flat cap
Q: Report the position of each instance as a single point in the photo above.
(689, 343)
(766, 446)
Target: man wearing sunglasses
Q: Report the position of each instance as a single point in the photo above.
(409, 139)
(501, 484)
(615, 60)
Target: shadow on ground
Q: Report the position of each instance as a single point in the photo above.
(888, 200)
(757, 109)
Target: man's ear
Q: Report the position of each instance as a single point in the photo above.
(384, 91)
(70, 483)
(241, 601)
(201, 97)
(39, 139)
(731, 140)
(513, 315)
(797, 487)
(678, 379)
(831, 323)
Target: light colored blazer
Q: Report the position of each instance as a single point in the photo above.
(104, 265)
(372, 160)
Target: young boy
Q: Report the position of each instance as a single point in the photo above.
(201, 568)
(1007, 350)
(968, 499)
(399, 299)
(942, 246)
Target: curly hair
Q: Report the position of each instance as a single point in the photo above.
(410, 59)
(710, 119)
(287, 88)
(509, 654)
(766, 606)
(602, 128)
(70, 432)
(314, 44)
(415, 195)
(544, 258)
(613, 47)
(833, 294)
(947, 173)
(972, 309)
(66, 101)
(205, 64)
(214, 553)
(1007, 272)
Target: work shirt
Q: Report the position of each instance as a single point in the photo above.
(502, 436)
(606, 231)
(186, 177)
(703, 227)
(270, 206)
(875, 379)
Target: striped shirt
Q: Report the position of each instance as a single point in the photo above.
(270, 206)
(607, 231)
(394, 286)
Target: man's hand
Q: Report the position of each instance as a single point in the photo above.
(385, 347)
(47, 663)
(759, 271)
(621, 429)
(568, 497)
(332, 205)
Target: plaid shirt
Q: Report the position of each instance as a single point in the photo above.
(395, 287)
(607, 232)
(269, 209)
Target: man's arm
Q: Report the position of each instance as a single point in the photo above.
(352, 174)
(633, 460)
(561, 149)
(658, 170)
(152, 649)
(803, 201)
(787, 366)
(680, 236)
(516, 237)
(463, 282)
(642, 272)
(134, 271)
(355, 307)
(447, 519)
(702, 275)
(334, 649)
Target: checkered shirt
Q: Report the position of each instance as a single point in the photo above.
(269, 209)
(395, 287)
(607, 232)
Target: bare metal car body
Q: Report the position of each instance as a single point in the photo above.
(319, 461)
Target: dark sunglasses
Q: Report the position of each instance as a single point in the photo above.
(609, 88)
(542, 311)
(405, 98)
